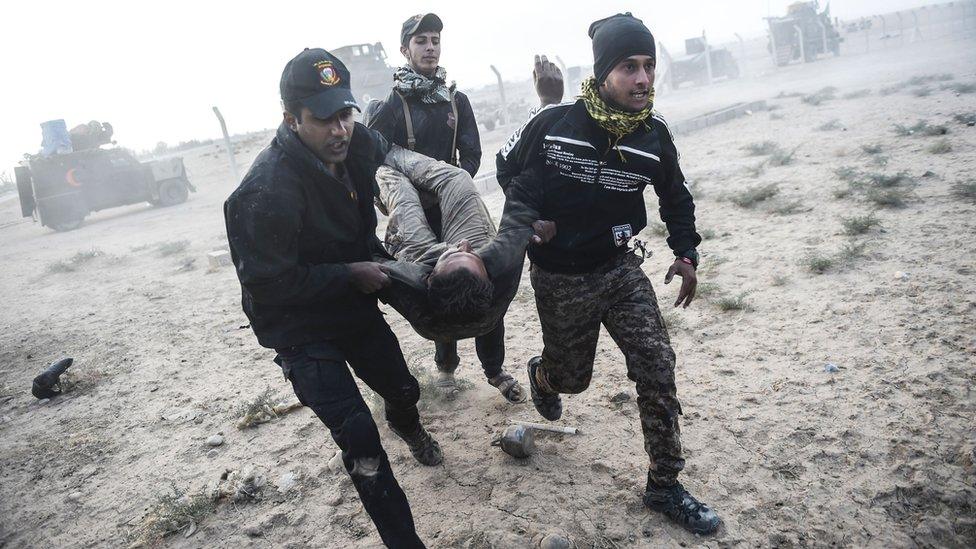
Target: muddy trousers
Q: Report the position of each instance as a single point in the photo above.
(322, 381)
(619, 296)
(490, 348)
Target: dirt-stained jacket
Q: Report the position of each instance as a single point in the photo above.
(292, 228)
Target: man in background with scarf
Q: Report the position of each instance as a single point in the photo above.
(594, 158)
(426, 114)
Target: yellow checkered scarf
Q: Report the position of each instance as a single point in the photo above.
(617, 122)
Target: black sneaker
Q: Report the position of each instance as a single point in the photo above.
(549, 405)
(681, 507)
(423, 446)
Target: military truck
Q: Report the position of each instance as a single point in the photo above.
(371, 77)
(62, 189)
(693, 66)
(803, 34)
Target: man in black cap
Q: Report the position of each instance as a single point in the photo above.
(594, 158)
(426, 114)
(301, 228)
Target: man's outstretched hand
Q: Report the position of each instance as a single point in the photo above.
(548, 81)
(689, 281)
(544, 231)
(368, 277)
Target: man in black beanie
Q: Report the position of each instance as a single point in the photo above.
(592, 160)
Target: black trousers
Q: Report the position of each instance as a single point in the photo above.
(323, 382)
(490, 348)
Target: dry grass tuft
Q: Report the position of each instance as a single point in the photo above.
(821, 95)
(830, 125)
(859, 224)
(965, 190)
(750, 197)
(762, 148)
(172, 513)
(941, 146)
(74, 262)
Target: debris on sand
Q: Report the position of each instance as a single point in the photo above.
(831, 368)
(262, 410)
(215, 440)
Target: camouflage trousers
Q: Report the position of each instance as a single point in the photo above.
(620, 297)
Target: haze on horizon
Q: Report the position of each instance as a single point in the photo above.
(155, 70)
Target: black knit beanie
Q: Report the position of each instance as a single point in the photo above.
(616, 38)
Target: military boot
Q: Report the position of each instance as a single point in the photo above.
(681, 507)
(423, 446)
(549, 405)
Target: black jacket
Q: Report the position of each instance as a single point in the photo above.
(433, 128)
(595, 196)
(292, 226)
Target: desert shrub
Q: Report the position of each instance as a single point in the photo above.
(755, 170)
(818, 263)
(762, 148)
(961, 87)
(856, 94)
(888, 198)
(968, 118)
(172, 248)
(852, 250)
(830, 125)
(922, 127)
(941, 146)
(733, 303)
(789, 207)
(172, 513)
(859, 224)
(750, 197)
(965, 190)
(74, 262)
(821, 95)
(781, 157)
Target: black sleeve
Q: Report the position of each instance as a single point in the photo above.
(263, 228)
(524, 146)
(522, 204)
(387, 118)
(677, 207)
(469, 141)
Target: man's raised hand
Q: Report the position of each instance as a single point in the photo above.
(368, 277)
(548, 81)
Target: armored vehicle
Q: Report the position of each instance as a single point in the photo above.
(803, 34)
(62, 189)
(372, 78)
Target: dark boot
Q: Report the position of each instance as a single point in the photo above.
(681, 507)
(423, 447)
(549, 405)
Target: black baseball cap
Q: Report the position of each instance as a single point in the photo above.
(422, 22)
(318, 80)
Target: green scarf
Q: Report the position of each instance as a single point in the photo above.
(617, 122)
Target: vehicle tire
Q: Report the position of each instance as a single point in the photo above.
(172, 192)
(25, 190)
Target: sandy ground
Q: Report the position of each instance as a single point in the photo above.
(879, 453)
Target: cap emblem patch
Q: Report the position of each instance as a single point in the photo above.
(328, 75)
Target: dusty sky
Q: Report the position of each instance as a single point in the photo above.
(155, 69)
